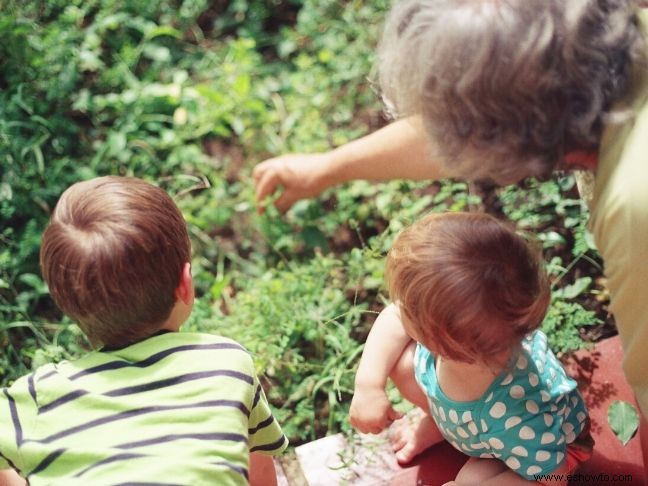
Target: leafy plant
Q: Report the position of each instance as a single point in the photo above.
(190, 95)
(623, 420)
(297, 321)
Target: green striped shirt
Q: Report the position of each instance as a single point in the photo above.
(177, 408)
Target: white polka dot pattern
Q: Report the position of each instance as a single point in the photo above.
(525, 418)
(453, 416)
(520, 451)
(532, 407)
(496, 443)
(512, 422)
(522, 362)
(442, 414)
(498, 410)
(547, 438)
(516, 392)
(527, 433)
(533, 379)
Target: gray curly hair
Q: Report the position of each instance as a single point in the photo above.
(507, 87)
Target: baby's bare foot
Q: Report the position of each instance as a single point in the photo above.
(412, 434)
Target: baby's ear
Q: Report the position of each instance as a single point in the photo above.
(185, 290)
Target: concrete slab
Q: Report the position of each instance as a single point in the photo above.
(364, 460)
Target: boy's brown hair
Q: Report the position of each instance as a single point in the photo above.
(467, 284)
(113, 256)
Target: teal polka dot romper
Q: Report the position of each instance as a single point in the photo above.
(526, 418)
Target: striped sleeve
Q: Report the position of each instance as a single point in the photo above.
(4, 464)
(265, 434)
(17, 410)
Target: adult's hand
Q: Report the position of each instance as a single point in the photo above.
(297, 176)
(400, 150)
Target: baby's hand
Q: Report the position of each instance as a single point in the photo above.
(371, 411)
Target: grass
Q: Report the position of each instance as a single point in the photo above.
(191, 95)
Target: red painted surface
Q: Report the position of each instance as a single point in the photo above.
(599, 374)
(436, 466)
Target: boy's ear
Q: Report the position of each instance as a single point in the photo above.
(185, 290)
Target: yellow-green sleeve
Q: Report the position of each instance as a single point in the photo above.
(18, 408)
(265, 434)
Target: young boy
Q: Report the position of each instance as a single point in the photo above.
(461, 341)
(151, 405)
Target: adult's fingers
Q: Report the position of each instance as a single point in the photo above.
(266, 185)
(258, 171)
(285, 200)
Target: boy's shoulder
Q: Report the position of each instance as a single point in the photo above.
(181, 348)
(180, 341)
(177, 345)
(186, 341)
(191, 337)
(165, 352)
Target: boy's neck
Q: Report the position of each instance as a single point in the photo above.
(178, 316)
(171, 326)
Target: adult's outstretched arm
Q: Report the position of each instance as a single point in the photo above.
(400, 150)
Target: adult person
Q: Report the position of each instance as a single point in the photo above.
(508, 89)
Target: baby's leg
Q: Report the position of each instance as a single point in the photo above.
(477, 471)
(412, 435)
(492, 472)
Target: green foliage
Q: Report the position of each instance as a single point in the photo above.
(297, 322)
(562, 324)
(557, 217)
(623, 420)
(190, 95)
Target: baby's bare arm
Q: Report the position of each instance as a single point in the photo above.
(371, 410)
(385, 343)
(492, 472)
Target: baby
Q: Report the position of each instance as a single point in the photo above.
(461, 341)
